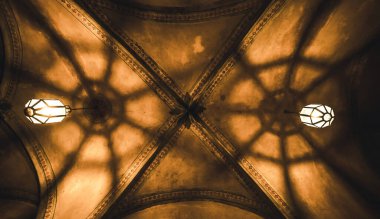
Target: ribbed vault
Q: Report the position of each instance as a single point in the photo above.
(198, 90)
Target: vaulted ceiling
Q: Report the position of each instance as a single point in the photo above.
(198, 91)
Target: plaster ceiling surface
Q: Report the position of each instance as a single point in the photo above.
(198, 90)
(196, 209)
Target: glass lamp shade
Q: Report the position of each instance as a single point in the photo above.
(42, 111)
(317, 115)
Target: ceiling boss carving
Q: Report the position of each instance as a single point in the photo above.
(192, 99)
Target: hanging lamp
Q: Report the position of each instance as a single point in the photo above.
(317, 115)
(43, 111)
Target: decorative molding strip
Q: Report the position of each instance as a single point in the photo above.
(160, 77)
(164, 134)
(218, 150)
(155, 162)
(254, 174)
(228, 48)
(223, 140)
(150, 79)
(272, 10)
(41, 163)
(144, 173)
(129, 206)
(220, 75)
(178, 14)
(12, 49)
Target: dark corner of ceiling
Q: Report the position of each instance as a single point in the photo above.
(19, 184)
(2, 55)
(364, 96)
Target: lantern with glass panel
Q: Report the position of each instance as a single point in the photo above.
(43, 111)
(317, 115)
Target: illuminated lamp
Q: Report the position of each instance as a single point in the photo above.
(317, 115)
(43, 111)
